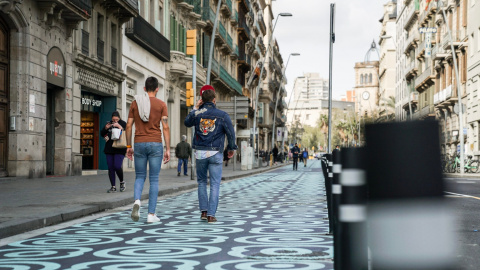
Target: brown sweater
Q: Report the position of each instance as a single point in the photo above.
(149, 131)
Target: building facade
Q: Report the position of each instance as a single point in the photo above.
(366, 88)
(473, 78)
(430, 88)
(387, 57)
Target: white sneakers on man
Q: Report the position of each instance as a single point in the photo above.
(152, 218)
(136, 211)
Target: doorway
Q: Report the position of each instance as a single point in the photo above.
(50, 126)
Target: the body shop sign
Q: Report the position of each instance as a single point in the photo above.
(56, 67)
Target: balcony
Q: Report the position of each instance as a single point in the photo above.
(208, 15)
(197, 5)
(234, 18)
(411, 42)
(221, 35)
(243, 29)
(234, 54)
(425, 79)
(226, 8)
(230, 42)
(410, 70)
(438, 53)
(265, 96)
(100, 50)
(230, 81)
(261, 23)
(444, 97)
(145, 35)
(73, 11)
(411, 17)
(429, 13)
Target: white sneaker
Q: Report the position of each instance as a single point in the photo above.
(152, 219)
(136, 211)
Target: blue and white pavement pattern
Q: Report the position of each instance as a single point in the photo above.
(273, 220)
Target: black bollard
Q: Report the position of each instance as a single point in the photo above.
(336, 193)
(409, 224)
(352, 211)
(328, 188)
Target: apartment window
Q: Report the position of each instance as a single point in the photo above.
(159, 21)
(151, 17)
(113, 42)
(307, 117)
(100, 38)
(361, 79)
(85, 38)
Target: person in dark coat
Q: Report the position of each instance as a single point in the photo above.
(275, 154)
(183, 152)
(114, 156)
(295, 153)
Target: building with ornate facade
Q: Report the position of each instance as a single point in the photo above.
(366, 88)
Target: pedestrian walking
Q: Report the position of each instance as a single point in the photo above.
(305, 157)
(225, 157)
(275, 154)
(295, 152)
(183, 152)
(114, 156)
(211, 126)
(146, 112)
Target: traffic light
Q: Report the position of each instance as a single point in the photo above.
(191, 42)
(189, 94)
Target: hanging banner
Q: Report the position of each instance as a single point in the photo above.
(279, 134)
(428, 39)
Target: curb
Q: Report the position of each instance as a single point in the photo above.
(18, 228)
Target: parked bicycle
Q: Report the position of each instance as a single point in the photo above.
(452, 164)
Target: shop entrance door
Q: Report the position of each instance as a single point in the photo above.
(50, 126)
(4, 98)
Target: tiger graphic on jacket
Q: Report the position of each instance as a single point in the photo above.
(207, 125)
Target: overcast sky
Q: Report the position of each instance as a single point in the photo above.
(307, 32)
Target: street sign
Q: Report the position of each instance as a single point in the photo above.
(229, 107)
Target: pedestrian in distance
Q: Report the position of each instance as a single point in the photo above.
(337, 147)
(183, 152)
(146, 112)
(211, 127)
(305, 157)
(225, 157)
(295, 153)
(114, 156)
(275, 154)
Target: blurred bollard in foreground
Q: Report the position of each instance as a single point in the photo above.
(409, 223)
(352, 211)
(336, 193)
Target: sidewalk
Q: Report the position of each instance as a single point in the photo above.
(464, 176)
(28, 204)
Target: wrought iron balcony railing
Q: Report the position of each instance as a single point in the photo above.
(145, 35)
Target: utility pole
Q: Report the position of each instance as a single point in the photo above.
(192, 50)
(332, 40)
(212, 41)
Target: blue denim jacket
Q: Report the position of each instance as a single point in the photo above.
(211, 126)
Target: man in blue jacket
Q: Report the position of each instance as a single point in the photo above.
(211, 126)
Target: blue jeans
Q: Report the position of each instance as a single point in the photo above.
(212, 164)
(185, 165)
(151, 152)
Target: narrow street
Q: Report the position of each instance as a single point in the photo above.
(273, 220)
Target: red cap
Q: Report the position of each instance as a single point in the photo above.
(205, 88)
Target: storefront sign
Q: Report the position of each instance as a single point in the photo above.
(91, 102)
(56, 67)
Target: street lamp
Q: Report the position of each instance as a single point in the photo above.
(276, 101)
(260, 82)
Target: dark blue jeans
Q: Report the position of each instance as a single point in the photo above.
(185, 165)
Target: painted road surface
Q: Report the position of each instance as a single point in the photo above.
(274, 220)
